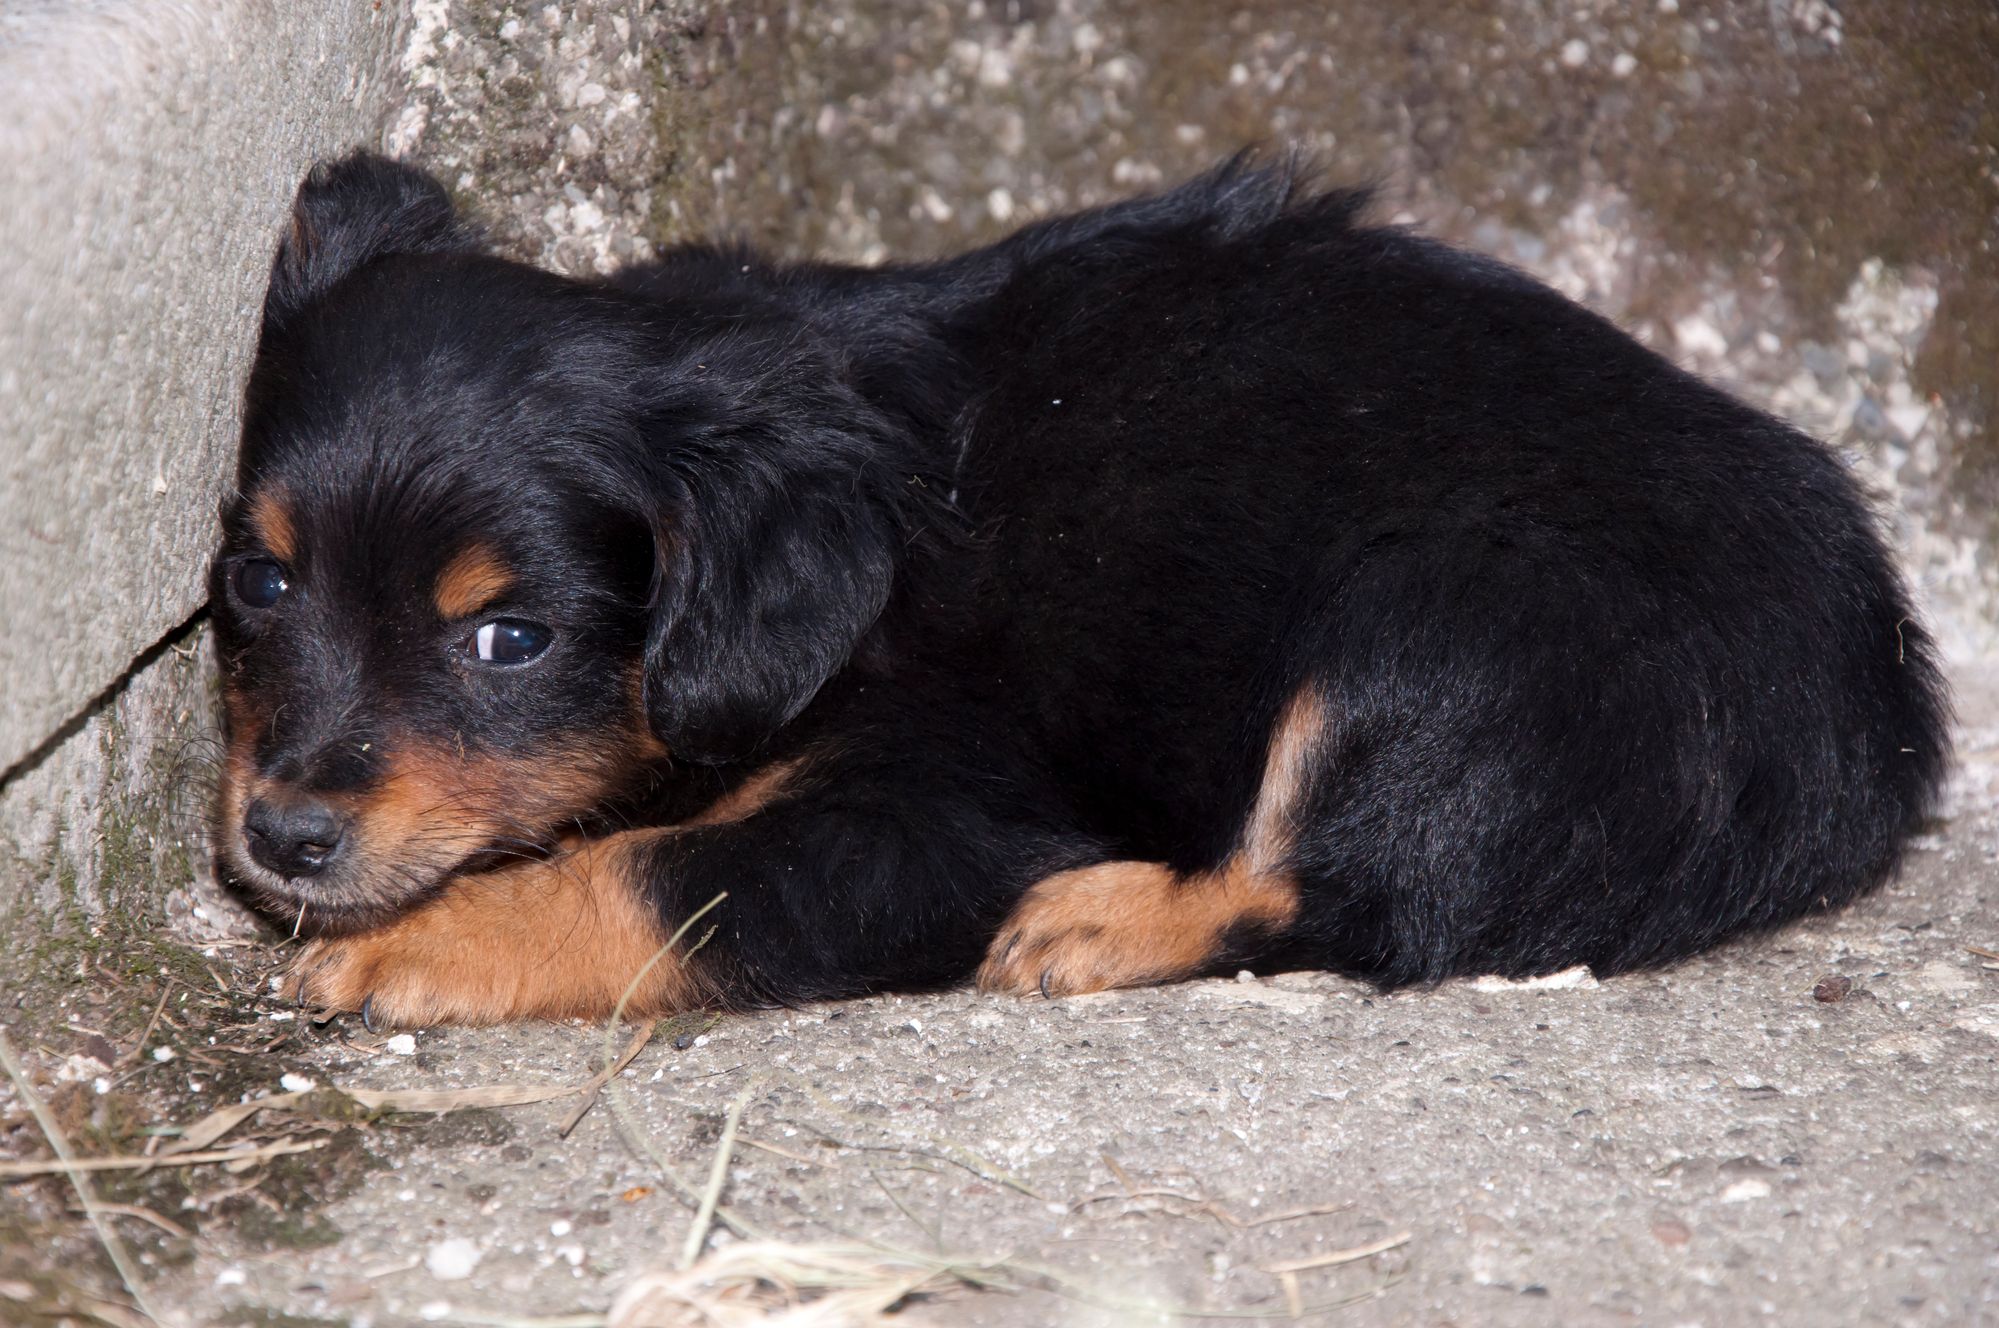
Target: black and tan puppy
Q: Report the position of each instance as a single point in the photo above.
(1208, 580)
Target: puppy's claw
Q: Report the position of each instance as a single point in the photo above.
(340, 974)
(1044, 986)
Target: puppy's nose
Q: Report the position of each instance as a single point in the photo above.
(292, 837)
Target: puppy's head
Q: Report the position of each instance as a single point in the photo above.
(503, 542)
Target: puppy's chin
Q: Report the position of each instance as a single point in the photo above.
(347, 898)
(357, 896)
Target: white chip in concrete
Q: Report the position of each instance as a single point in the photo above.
(452, 1260)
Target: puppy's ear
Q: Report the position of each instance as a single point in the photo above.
(352, 210)
(777, 546)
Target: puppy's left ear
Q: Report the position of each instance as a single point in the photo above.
(350, 211)
(778, 540)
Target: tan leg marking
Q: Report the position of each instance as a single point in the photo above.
(469, 582)
(1125, 924)
(271, 520)
(537, 940)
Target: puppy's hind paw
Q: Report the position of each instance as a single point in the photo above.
(1127, 924)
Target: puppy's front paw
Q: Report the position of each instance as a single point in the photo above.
(378, 975)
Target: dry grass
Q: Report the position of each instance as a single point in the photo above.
(99, 1218)
(795, 1285)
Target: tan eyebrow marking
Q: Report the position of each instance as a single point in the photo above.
(271, 520)
(471, 581)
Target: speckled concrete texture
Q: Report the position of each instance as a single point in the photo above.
(111, 825)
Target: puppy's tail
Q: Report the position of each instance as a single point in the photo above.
(1237, 198)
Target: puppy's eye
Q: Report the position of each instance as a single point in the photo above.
(260, 583)
(510, 641)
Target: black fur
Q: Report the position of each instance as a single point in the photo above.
(1018, 557)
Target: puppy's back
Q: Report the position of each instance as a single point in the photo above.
(1615, 665)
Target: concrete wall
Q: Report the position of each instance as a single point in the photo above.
(150, 149)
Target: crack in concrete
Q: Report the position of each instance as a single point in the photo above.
(102, 699)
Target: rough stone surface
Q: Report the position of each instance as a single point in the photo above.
(111, 824)
(150, 152)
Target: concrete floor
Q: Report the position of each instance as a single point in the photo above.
(1710, 1145)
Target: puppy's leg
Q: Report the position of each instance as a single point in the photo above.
(853, 888)
(1124, 924)
(859, 876)
(546, 939)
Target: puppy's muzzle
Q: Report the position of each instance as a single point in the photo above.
(294, 836)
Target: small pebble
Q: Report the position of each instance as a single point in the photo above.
(402, 1044)
(1671, 1233)
(1566, 980)
(79, 1067)
(163, 1054)
(296, 1083)
(452, 1260)
(1574, 52)
(1832, 990)
(560, 1227)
